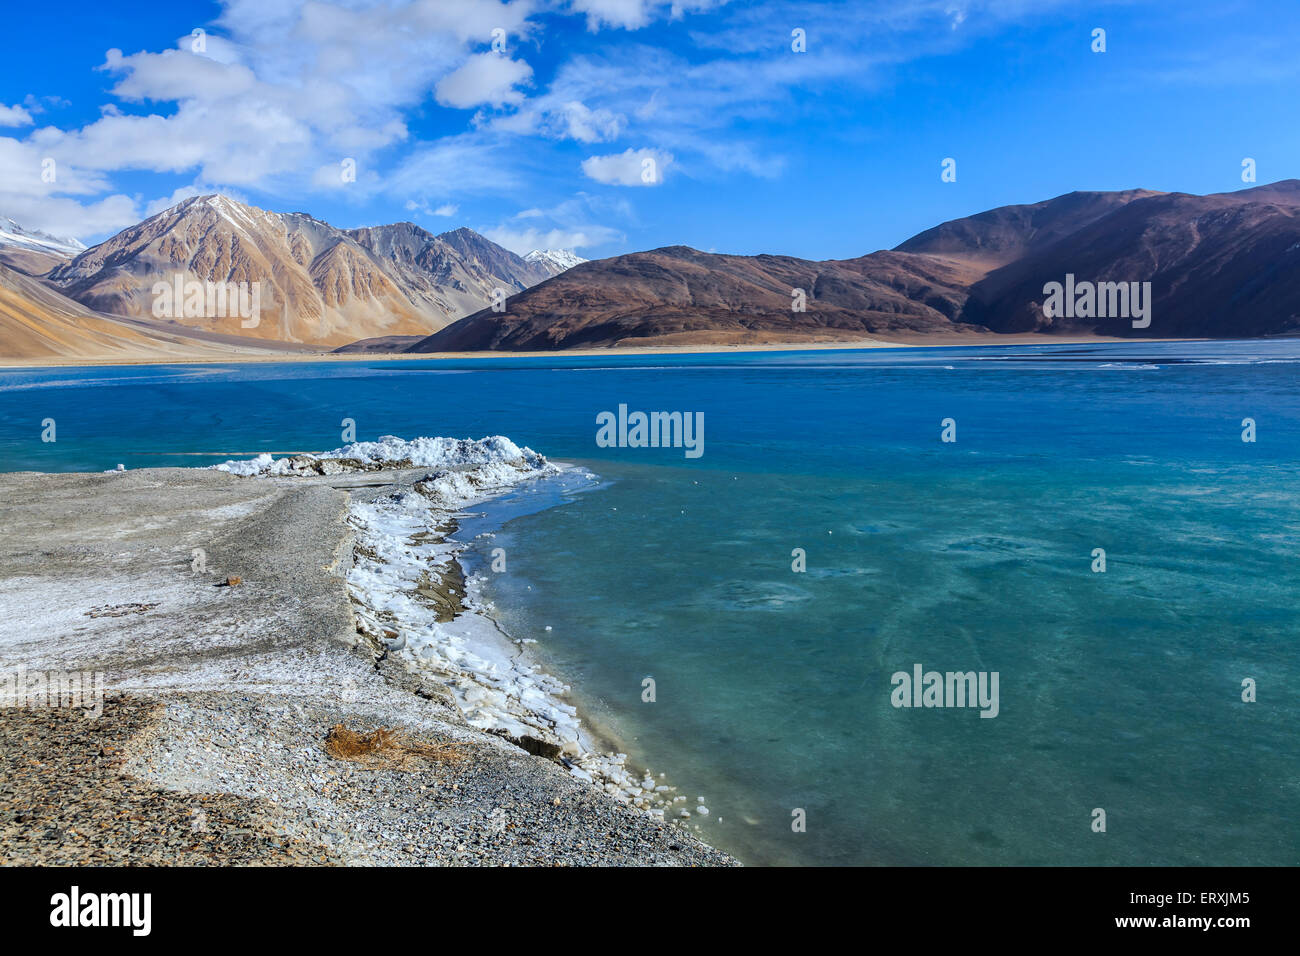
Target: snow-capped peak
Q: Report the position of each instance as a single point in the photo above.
(555, 259)
(236, 213)
(12, 234)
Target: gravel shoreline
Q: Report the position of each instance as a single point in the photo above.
(212, 742)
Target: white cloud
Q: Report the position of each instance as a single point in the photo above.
(177, 75)
(524, 241)
(14, 116)
(344, 174)
(677, 104)
(242, 142)
(64, 216)
(282, 90)
(177, 196)
(551, 116)
(446, 210)
(628, 14)
(567, 225)
(635, 14)
(633, 167)
(453, 166)
(29, 168)
(488, 78)
(285, 89)
(588, 125)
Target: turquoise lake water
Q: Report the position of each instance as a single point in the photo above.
(1119, 690)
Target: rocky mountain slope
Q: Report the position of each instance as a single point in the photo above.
(679, 295)
(1222, 265)
(454, 273)
(38, 324)
(316, 284)
(31, 251)
(1007, 233)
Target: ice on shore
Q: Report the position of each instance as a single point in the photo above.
(391, 450)
(494, 685)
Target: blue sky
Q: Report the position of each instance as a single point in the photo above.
(829, 153)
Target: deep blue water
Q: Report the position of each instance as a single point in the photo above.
(1118, 690)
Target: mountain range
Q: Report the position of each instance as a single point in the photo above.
(1220, 265)
(318, 285)
(33, 252)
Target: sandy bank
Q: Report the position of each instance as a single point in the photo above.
(916, 341)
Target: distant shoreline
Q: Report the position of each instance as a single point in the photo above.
(943, 340)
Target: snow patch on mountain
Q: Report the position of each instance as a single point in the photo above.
(556, 260)
(12, 234)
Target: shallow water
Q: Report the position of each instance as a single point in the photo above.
(1119, 690)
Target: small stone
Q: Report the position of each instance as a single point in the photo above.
(234, 581)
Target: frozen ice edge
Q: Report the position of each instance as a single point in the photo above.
(494, 682)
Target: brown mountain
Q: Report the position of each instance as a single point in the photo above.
(454, 273)
(29, 261)
(1220, 265)
(679, 295)
(1223, 265)
(38, 324)
(1004, 234)
(317, 285)
(490, 259)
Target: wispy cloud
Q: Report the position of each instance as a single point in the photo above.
(632, 167)
(14, 116)
(443, 103)
(572, 224)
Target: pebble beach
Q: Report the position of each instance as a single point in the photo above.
(265, 703)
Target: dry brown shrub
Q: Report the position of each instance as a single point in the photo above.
(384, 749)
